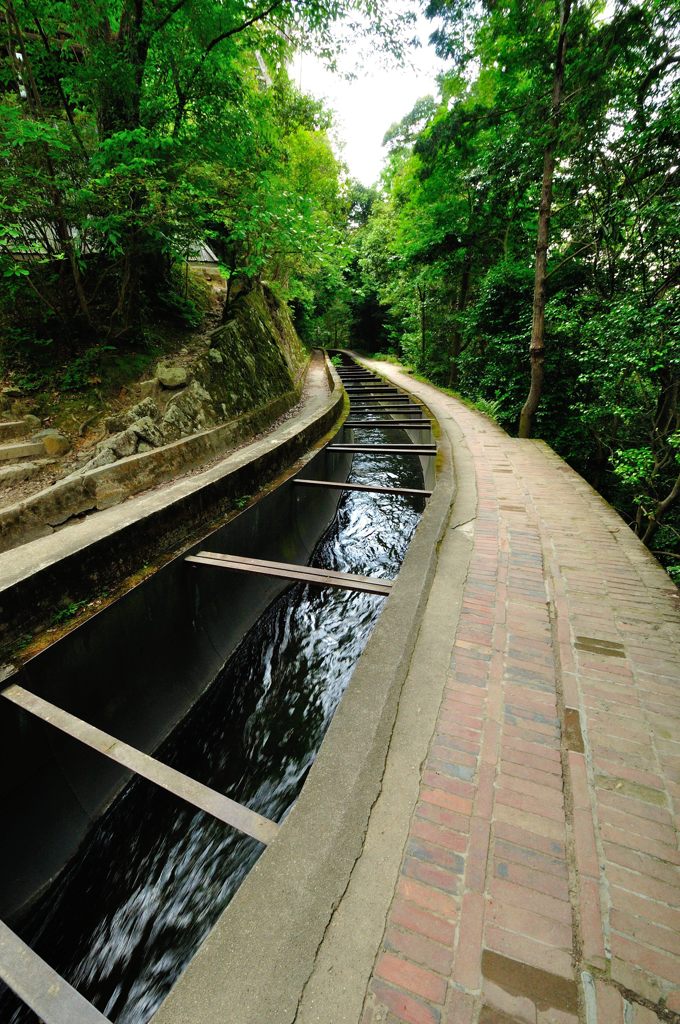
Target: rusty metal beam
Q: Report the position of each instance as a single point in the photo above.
(195, 793)
(371, 488)
(289, 571)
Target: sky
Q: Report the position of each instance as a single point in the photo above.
(378, 96)
(374, 100)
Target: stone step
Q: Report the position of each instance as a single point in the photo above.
(12, 430)
(20, 471)
(21, 450)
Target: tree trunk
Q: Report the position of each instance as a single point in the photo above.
(662, 507)
(537, 344)
(457, 339)
(34, 101)
(120, 91)
(423, 325)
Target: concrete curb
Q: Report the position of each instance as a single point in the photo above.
(97, 554)
(256, 962)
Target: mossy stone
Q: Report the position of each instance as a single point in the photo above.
(171, 376)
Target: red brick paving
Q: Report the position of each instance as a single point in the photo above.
(540, 884)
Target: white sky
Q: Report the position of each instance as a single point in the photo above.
(380, 95)
(368, 105)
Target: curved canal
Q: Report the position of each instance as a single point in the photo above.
(151, 879)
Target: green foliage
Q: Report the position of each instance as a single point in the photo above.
(132, 132)
(181, 307)
(68, 612)
(634, 467)
(86, 369)
(492, 409)
(447, 252)
(390, 357)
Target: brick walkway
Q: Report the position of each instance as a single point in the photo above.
(540, 878)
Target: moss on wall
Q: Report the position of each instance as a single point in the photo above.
(251, 363)
(254, 357)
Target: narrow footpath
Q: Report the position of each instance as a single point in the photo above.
(521, 862)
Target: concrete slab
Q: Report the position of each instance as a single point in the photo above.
(22, 471)
(10, 430)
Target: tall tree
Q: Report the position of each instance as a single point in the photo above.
(576, 147)
(131, 128)
(537, 343)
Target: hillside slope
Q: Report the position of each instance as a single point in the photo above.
(225, 385)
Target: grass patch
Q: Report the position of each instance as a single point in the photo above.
(68, 612)
(486, 406)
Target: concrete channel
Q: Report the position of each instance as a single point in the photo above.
(179, 628)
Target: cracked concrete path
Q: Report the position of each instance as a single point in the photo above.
(521, 862)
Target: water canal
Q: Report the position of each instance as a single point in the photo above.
(152, 877)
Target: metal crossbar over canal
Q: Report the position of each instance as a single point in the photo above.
(399, 413)
(22, 970)
(381, 400)
(41, 988)
(375, 489)
(386, 449)
(400, 410)
(302, 573)
(415, 424)
(206, 799)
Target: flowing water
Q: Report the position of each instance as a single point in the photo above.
(153, 876)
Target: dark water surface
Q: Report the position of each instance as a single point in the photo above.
(153, 876)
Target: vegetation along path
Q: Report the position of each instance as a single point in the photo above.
(522, 864)
(178, 230)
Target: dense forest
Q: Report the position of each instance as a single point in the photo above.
(524, 246)
(521, 247)
(134, 131)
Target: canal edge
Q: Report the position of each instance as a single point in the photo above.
(256, 962)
